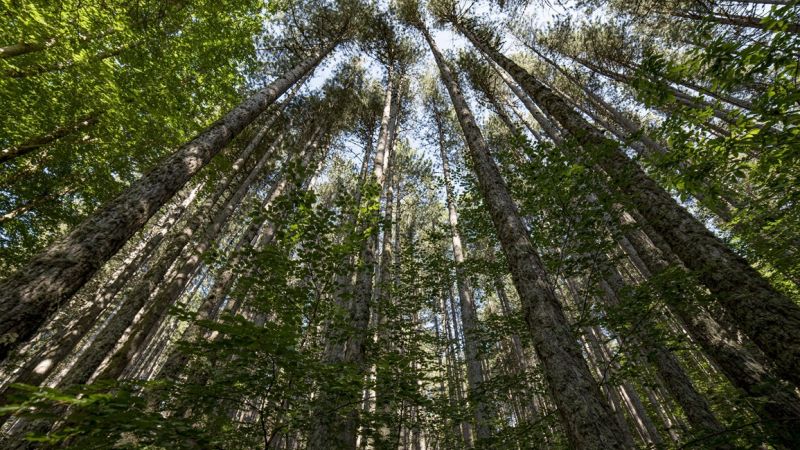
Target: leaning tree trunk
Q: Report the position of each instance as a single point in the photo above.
(29, 296)
(722, 207)
(34, 373)
(581, 407)
(289, 182)
(168, 294)
(138, 297)
(735, 20)
(677, 382)
(768, 317)
(552, 132)
(23, 48)
(176, 360)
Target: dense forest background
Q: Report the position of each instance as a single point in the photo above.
(441, 224)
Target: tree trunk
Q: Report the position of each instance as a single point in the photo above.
(775, 402)
(34, 202)
(169, 294)
(735, 20)
(28, 297)
(332, 427)
(454, 376)
(538, 136)
(677, 382)
(22, 48)
(39, 365)
(177, 361)
(146, 304)
(552, 132)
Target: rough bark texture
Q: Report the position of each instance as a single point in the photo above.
(581, 408)
(668, 369)
(543, 122)
(138, 296)
(168, 294)
(29, 296)
(736, 20)
(22, 48)
(769, 318)
(263, 233)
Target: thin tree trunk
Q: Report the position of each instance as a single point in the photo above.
(552, 132)
(170, 293)
(518, 115)
(475, 375)
(39, 366)
(264, 234)
(34, 202)
(776, 403)
(535, 405)
(735, 20)
(599, 364)
(384, 382)
(123, 320)
(177, 361)
(23, 48)
(629, 395)
(15, 151)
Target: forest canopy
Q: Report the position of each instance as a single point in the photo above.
(405, 224)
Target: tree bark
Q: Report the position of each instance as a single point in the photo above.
(169, 294)
(775, 402)
(22, 48)
(552, 132)
(176, 360)
(736, 20)
(39, 365)
(332, 427)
